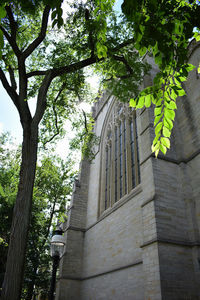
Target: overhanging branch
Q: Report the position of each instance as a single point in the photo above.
(81, 64)
(36, 73)
(75, 66)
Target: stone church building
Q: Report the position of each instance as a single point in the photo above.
(133, 228)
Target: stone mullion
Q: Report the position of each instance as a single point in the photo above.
(108, 177)
(109, 172)
(104, 192)
(103, 186)
(128, 153)
(113, 168)
(123, 159)
(118, 162)
(135, 151)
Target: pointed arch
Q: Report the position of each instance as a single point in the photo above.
(119, 172)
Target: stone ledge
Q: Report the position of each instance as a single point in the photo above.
(153, 198)
(172, 242)
(119, 203)
(104, 273)
(175, 161)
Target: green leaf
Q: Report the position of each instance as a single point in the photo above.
(142, 51)
(181, 92)
(165, 141)
(198, 69)
(181, 78)
(132, 102)
(1, 39)
(171, 105)
(197, 36)
(158, 128)
(169, 114)
(148, 101)
(2, 12)
(54, 14)
(163, 148)
(155, 146)
(189, 67)
(157, 119)
(156, 153)
(140, 102)
(168, 123)
(156, 138)
(157, 111)
(101, 50)
(166, 132)
(2, 191)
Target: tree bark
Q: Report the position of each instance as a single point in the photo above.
(12, 285)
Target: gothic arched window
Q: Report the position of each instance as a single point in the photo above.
(120, 157)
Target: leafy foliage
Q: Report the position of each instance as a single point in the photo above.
(9, 169)
(163, 95)
(53, 186)
(85, 140)
(163, 28)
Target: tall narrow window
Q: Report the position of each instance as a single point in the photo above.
(121, 172)
(132, 142)
(116, 168)
(106, 185)
(125, 160)
(120, 160)
(138, 169)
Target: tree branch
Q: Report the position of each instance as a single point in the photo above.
(75, 66)
(41, 35)
(13, 23)
(36, 73)
(122, 59)
(56, 116)
(11, 73)
(12, 78)
(11, 41)
(85, 121)
(41, 99)
(11, 92)
(89, 61)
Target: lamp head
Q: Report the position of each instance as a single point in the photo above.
(57, 244)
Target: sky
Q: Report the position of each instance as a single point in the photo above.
(10, 121)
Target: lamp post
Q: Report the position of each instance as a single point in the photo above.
(57, 248)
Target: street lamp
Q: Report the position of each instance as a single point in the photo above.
(57, 249)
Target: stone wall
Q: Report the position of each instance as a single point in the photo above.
(147, 245)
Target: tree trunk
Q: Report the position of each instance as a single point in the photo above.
(30, 289)
(12, 285)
